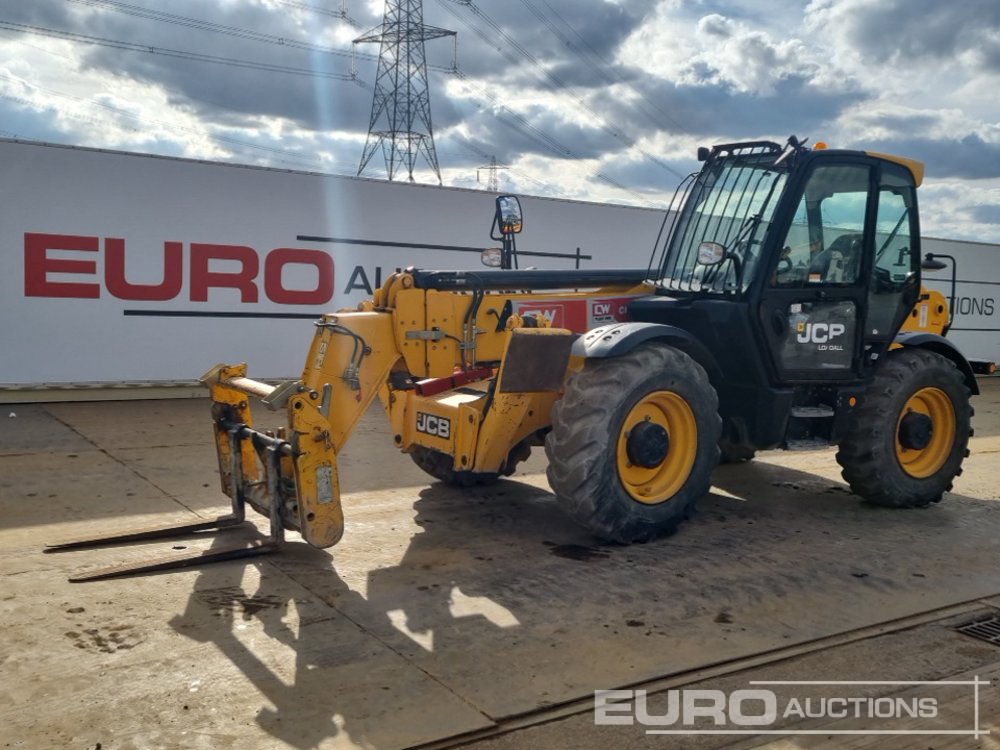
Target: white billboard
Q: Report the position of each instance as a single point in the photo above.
(126, 267)
(975, 326)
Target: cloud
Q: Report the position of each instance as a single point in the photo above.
(220, 90)
(937, 54)
(748, 60)
(920, 32)
(949, 141)
(714, 50)
(965, 210)
(969, 157)
(986, 214)
(605, 100)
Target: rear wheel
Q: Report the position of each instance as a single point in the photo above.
(734, 446)
(633, 443)
(441, 466)
(906, 442)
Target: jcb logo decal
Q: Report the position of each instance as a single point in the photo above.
(819, 333)
(432, 425)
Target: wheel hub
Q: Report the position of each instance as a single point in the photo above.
(656, 447)
(648, 445)
(925, 432)
(915, 431)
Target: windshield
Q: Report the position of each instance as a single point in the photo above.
(731, 203)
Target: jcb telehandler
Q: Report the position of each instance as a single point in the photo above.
(782, 308)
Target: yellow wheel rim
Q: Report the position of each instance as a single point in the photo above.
(933, 403)
(656, 484)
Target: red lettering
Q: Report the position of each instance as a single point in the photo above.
(275, 289)
(202, 279)
(38, 266)
(120, 287)
(240, 274)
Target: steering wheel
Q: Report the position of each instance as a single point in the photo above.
(883, 281)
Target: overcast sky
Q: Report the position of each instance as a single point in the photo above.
(602, 100)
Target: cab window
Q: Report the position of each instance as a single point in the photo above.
(825, 241)
(896, 253)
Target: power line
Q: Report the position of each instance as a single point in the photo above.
(240, 32)
(472, 148)
(279, 153)
(180, 54)
(504, 114)
(600, 65)
(342, 13)
(519, 174)
(555, 83)
(549, 188)
(520, 123)
(194, 23)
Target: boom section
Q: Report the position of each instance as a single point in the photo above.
(464, 364)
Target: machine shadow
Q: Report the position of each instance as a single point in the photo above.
(769, 491)
(386, 641)
(363, 655)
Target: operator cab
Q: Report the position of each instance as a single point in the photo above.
(794, 267)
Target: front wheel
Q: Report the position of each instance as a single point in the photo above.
(906, 441)
(633, 444)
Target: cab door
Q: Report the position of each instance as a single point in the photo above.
(813, 304)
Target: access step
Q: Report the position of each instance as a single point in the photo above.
(812, 412)
(807, 445)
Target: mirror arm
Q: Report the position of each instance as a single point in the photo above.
(496, 225)
(737, 266)
(509, 252)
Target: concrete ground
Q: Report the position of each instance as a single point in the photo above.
(476, 617)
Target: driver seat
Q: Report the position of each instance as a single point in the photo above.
(839, 263)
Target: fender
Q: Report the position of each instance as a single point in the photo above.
(940, 345)
(620, 338)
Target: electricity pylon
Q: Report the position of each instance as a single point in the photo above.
(493, 183)
(400, 122)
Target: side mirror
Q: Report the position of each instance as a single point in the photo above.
(711, 253)
(492, 257)
(509, 214)
(703, 153)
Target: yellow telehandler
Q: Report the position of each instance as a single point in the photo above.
(782, 307)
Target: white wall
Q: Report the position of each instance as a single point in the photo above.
(63, 324)
(976, 310)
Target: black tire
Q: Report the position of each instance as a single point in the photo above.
(885, 464)
(735, 453)
(440, 466)
(589, 434)
(734, 448)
